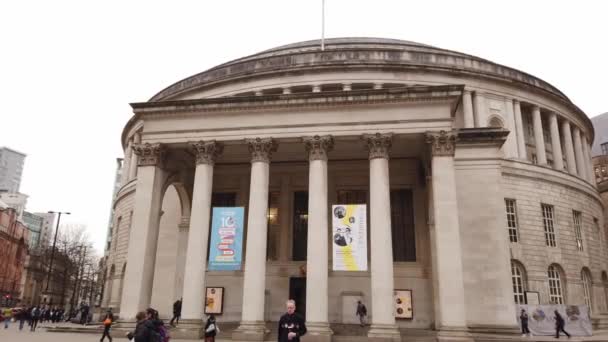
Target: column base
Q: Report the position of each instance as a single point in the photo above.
(454, 334)
(188, 329)
(250, 331)
(384, 333)
(317, 332)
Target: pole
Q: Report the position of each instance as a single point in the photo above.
(53, 251)
(323, 25)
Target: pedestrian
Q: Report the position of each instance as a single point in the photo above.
(523, 317)
(291, 324)
(35, 317)
(211, 329)
(559, 325)
(177, 312)
(107, 323)
(361, 312)
(142, 329)
(22, 316)
(7, 314)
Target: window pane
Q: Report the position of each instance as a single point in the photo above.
(300, 225)
(274, 227)
(576, 216)
(402, 224)
(548, 225)
(511, 220)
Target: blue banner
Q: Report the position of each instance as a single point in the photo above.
(225, 251)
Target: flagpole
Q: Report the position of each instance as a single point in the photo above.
(323, 25)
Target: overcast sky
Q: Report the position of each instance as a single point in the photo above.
(69, 69)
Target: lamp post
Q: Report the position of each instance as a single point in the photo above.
(53, 249)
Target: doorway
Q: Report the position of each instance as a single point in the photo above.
(297, 292)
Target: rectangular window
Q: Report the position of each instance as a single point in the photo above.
(274, 227)
(548, 224)
(577, 219)
(402, 225)
(512, 220)
(300, 225)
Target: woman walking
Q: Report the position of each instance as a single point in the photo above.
(211, 329)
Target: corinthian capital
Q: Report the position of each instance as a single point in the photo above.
(378, 145)
(149, 154)
(207, 151)
(442, 142)
(317, 146)
(261, 149)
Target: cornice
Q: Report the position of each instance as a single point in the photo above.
(302, 101)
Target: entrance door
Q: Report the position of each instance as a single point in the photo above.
(297, 292)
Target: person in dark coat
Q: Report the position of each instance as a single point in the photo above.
(211, 329)
(291, 324)
(177, 312)
(523, 318)
(559, 325)
(143, 329)
(361, 312)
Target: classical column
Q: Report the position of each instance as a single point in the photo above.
(383, 318)
(519, 131)
(124, 178)
(587, 147)
(198, 233)
(144, 230)
(467, 107)
(586, 159)
(539, 140)
(480, 110)
(569, 147)
(252, 326)
(317, 247)
(133, 161)
(510, 146)
(578, 153)
(556, 146)
(182, 247)
(450, 315)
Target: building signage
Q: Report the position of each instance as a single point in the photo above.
(541, 319)
(349, 232)
(225, 251)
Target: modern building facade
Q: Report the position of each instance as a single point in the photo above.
(11, 169)
(477, 180)
(34, 224)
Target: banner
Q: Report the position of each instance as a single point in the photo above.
(225, 250)
(541, 319)
(349, 231)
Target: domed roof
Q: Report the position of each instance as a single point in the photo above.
(362, 53)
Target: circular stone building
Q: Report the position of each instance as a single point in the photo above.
(476, 179)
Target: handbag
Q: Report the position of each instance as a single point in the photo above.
(107, 322)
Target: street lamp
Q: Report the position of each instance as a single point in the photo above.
(53, 249)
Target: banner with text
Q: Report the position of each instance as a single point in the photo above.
(225, 251)
(349, 231)
(541, 319)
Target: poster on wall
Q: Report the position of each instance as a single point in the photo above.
(225, 250)
(532, 298)
(403, 304)
(214, 300)
(349, 232)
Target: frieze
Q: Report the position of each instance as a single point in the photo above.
(442, 143)
(379, 144)
(261, 149)
(318, 146)
(149, 154)
(207, 151)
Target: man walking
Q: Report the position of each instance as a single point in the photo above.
(291, 325)
(35, 314)
(523, 318)
(177, 312)
(559, 325)
(361, 312)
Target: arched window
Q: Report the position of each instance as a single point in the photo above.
(556, 292)
(605, 282)
(518, 276)
(586, 278)
(116, 231)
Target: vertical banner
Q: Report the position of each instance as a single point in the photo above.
(349, 232)
(225, 250)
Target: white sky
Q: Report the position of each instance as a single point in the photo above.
(69, 69)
